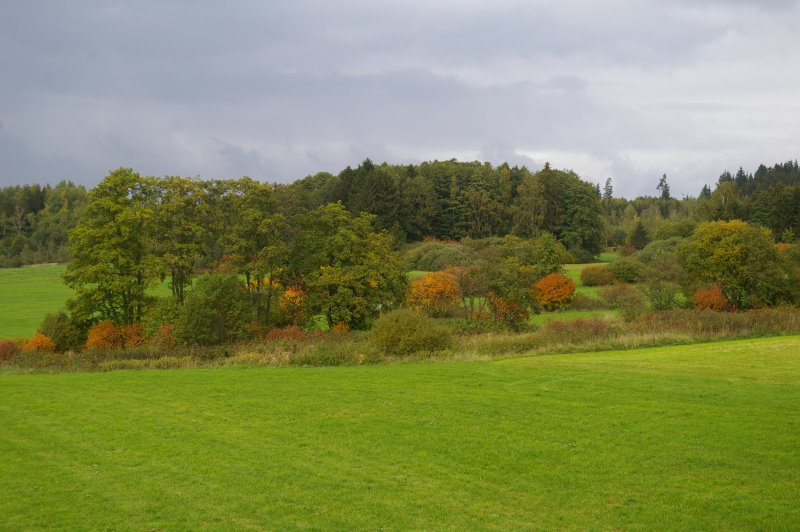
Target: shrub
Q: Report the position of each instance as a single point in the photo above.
(40, 343)
(66, 335)
(434, 293)
(625, 298)
(104, 335)
(626, 270)
(405, 332)
(554, 291)
(596, 275)
(584, 302)
(508, 312)
(164, 337)
(710, 298)
(8, 349)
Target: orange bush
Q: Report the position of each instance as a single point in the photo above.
(434, 293)
(554, 291)
(8, 349)
(340, 328)
(711, 298)
(40, 343)
(104, 335)
(292, 304)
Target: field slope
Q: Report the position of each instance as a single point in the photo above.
(701, 437)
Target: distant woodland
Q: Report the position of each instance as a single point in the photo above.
(443, 200)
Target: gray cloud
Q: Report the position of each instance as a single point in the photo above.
(624, 89)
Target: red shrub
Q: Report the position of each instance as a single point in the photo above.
(711, 298)
(8, 349)
(104, 335)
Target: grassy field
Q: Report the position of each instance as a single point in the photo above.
(701, 437)
(27, 295)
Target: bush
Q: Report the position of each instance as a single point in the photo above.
(435, 293)
(404, 332)
(104, 335)
(292, 333)
(626, 299)
(626, 270)
(8, 350)
(554, 291)
(596, 275)
(711, 298)
(66, 335)
(578, 331)
(584, 302)
(40, 343)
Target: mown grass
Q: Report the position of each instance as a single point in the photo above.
(701, 437)
(27, 295)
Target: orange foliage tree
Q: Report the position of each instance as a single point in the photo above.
(554, 291)
(106, 335)
(292, 304)
(711, 298)
(41, 343)
(435, 293)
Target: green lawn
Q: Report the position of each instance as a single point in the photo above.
(26, 295)
(700, 437)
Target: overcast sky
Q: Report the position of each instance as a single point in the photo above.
(279, 90)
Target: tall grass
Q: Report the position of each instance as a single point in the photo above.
(591, 333)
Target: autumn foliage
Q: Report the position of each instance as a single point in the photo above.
(106, 335)
(554, 291)
(40, 343)
(711, 298)
(434, 293)
(508, 312)
(8, 349)
(292, 304)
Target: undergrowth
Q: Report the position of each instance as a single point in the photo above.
(480, 342)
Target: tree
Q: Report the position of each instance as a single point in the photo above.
(111, 267)
(216, 311)
(178, 230)
(349, 272)
(743, 259)
(638, 237)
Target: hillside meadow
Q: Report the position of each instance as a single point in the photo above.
(700, 437)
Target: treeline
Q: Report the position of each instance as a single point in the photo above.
(34, 221)
(768, 198)
(450, 200)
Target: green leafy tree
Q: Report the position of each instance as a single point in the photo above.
(111, 267)
(216, 311)
(743, 259)
(178, 230)
(350, 273)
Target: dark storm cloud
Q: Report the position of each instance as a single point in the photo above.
(276, 91)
